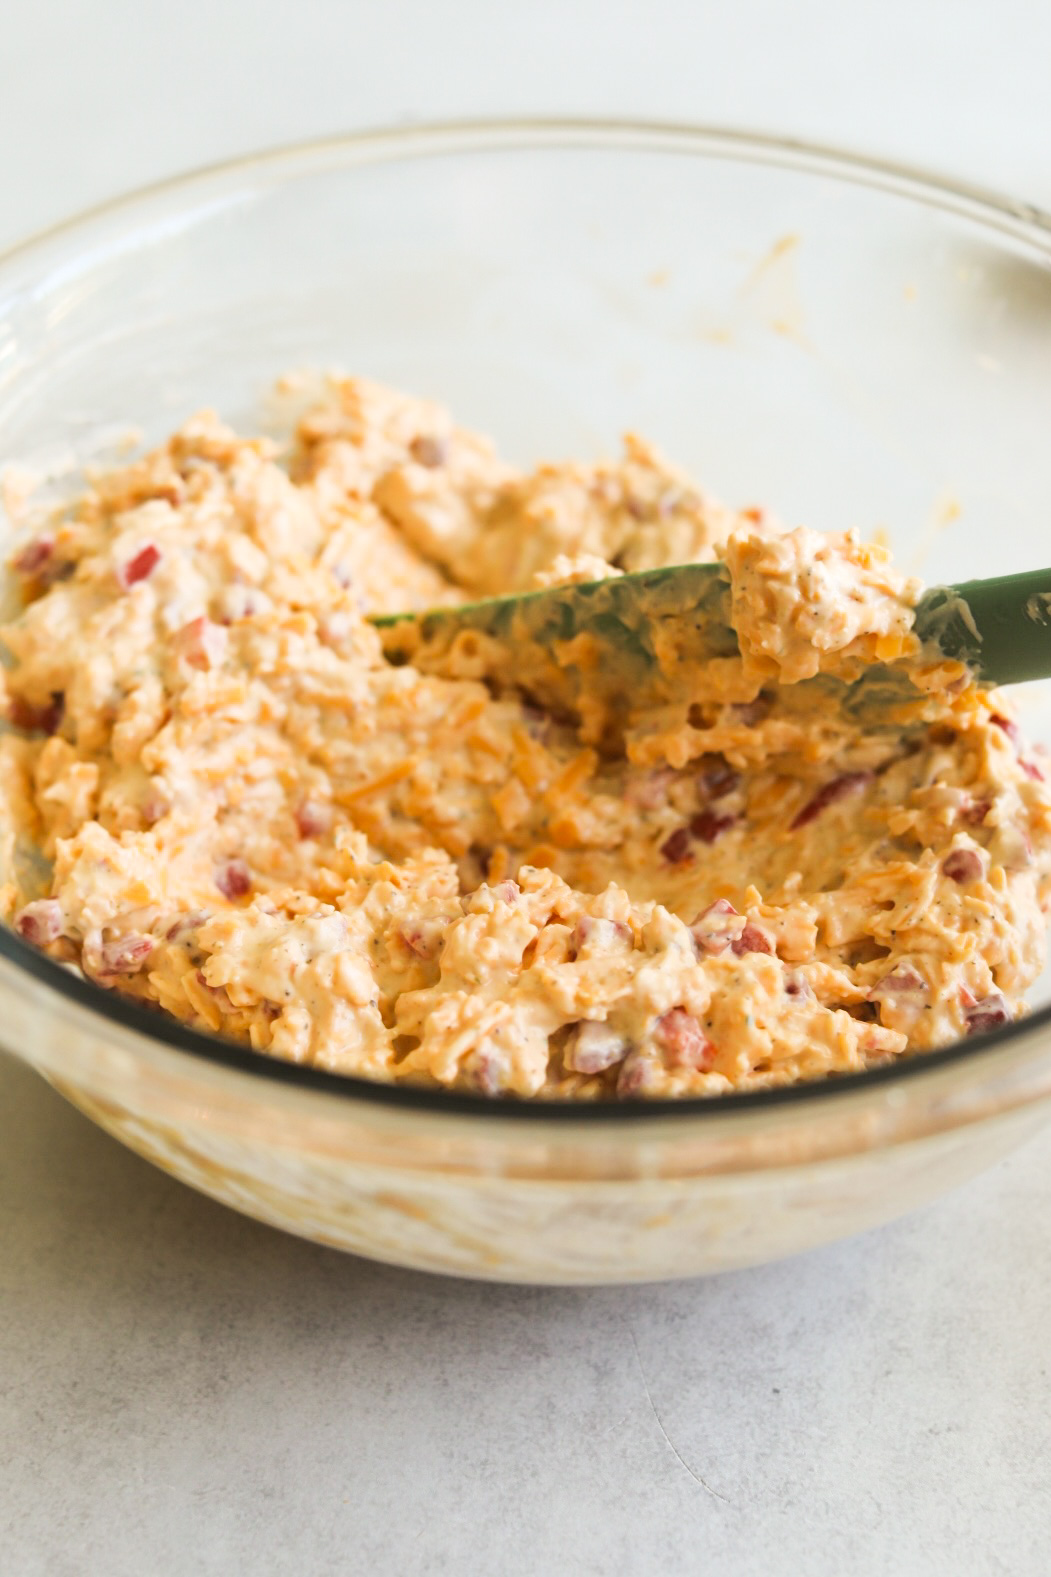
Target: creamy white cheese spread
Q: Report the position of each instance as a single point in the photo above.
(258, 824)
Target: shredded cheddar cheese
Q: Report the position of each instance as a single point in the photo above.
(257, 823)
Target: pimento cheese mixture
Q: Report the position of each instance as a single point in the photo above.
(258, 824)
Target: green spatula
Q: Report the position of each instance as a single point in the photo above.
(655, 621)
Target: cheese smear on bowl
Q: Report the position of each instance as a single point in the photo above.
(258, 824)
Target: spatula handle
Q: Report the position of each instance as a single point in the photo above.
(1001, 627)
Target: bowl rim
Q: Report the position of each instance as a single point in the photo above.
(378, 144)
(395, 144)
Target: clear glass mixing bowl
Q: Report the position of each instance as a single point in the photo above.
(848, 343)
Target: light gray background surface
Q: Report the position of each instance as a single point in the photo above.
(183, 1391)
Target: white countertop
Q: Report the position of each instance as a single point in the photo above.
(183, 1391)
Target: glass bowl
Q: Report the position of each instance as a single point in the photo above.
(849, 343)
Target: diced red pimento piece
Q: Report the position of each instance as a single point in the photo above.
(963, 866)
(424, 936)
(237, 602)
(41, 921)
(639, 1073)
(430, 450)
(424, 941)
(34, 556)
(37, 719)
(594, 1047)
(313, 818)
(717, 927)
(752, 712)
(537, 723)
(676, 847)
(155, 807)
(903, 980)
(200, 643)
(752, 940)
(599, 933)
(986, 1014)
(233, 879)
(975, 813)
(186, 923)
(140, 566)
(720, 927)
(683, 1041)
(1011, 729)
(486, 1070)
(830, 794)
(716, 907)
(125, 955)
(674, 498)
(709, 825)
(333, 628)
(717, 777)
